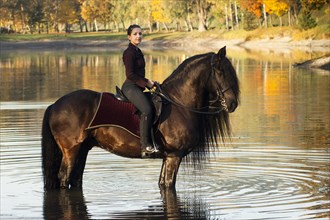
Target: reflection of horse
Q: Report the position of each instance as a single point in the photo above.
(71, 204)
(202, 91)
(65, 204)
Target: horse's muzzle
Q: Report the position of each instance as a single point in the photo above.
(233, 105)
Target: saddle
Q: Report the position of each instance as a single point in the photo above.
(115, 110)
(155, 99)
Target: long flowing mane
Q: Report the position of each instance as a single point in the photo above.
(184, 68)
(213, 129)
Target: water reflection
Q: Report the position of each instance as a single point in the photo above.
(40, 75)
(275, 167)
(43, 75)
(71, 204)
(65, 204)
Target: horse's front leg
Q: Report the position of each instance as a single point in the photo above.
(170, 168)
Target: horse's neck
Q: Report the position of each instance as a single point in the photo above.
(190, 89)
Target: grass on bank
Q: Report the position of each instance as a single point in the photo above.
(319, 32)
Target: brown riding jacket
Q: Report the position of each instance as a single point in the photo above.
(135, 66)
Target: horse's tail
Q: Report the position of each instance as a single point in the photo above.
(51, 155)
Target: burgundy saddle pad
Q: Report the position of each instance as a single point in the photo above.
(112, 112)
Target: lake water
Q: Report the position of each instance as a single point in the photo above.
(277, 165)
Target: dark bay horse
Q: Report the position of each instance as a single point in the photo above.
(202, 91)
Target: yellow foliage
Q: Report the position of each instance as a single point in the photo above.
(277, 7)
(158, 11)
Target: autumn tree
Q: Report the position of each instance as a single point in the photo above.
(313, 4)
(159, 13)
(253, 6)
(105, 12)
(36, 16)
(18, 14)
(230, 12)
(140, 13)
(7, 12)
(277, 7)
(203, 8)
(68, 13)
(306, 21)
(121, 13)
(58, 15)
(179, 12)
(219, 14)
(96, 11)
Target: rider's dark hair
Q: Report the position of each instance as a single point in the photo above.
(131, 27)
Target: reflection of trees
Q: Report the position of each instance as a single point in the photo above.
(49, 75)
(281, 104)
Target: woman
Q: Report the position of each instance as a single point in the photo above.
(134, 85)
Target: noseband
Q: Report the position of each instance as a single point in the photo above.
(220, 96)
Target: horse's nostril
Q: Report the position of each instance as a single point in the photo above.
(233, 106)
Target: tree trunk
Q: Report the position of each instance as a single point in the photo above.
(270, 20)
(236, 15)
(86, 26)
(289, 17)
(226, 12)
(158, 26)
(177, 26)
(96, 28)
(189, 25)
(80, 26)
(165, 26)
(23, 19)
(150, 26)
(231, 15)
(201, 16)
(265, 15)
(123, 24)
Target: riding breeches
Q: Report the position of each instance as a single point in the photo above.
(139, 99)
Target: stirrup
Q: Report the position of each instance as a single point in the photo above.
(151, 149)
(148, 152)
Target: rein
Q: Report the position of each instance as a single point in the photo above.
(220, 97)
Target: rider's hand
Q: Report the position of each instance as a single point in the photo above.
(150, 84)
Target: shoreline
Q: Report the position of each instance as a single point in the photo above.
(277, 44)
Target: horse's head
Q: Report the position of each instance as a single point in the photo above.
(223, 84)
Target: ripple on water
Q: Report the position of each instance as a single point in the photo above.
(267, 180)
(249, 182)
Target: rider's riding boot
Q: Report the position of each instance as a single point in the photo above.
(145, 137)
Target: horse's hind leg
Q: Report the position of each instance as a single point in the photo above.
(169, 171)
(70, 152)
(78, 171)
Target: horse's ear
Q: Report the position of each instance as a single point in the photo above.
(222, 52)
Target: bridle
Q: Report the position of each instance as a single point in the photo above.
(220, 91)
(219, 98)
